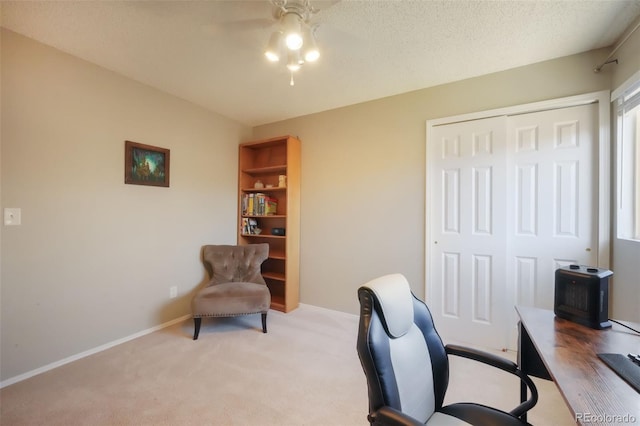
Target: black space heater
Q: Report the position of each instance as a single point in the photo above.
(582, 295)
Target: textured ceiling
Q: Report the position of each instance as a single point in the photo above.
(210, 52)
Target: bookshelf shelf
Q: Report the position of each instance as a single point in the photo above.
(274, 276)
(262, 236)
(256, 171)
(270, 161)
(256, 190)
(278, 306)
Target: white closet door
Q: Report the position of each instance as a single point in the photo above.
(552, 182)
(468, 230)
(513, 198)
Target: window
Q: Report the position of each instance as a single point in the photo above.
(628, 150)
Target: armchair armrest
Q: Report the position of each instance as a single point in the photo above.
(387, 416)
(503, 364)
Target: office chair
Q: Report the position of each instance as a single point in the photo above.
(236, 286)
(407, 366)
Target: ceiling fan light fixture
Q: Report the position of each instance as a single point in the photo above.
(272, 52)
(292, 33)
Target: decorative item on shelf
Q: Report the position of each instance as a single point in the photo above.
(278, 231)
(269, 185)
(258, 184)
(250, 227)
(282, 181)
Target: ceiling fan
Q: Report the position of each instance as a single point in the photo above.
(294, 35)
(294, 17)
(293, 26)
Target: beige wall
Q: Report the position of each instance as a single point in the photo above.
(363, 173)
(94, 258)
(625, 288)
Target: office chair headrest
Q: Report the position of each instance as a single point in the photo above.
(396, 302)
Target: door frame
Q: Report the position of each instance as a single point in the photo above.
(603, 197)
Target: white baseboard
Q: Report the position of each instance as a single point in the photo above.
(84, 354)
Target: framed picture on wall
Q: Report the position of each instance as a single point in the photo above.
(145, 164)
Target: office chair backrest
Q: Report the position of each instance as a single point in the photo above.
(401, 353)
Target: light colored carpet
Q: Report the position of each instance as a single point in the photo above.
(305, 371)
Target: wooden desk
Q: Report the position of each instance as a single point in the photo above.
(565, 352)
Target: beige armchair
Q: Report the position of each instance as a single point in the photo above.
(236, 286)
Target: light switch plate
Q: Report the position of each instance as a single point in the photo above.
(12, 216)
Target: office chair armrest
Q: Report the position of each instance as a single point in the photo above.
(483, 357)
(387, 416)
(503, 364)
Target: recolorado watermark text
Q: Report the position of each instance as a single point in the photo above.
(608, 419)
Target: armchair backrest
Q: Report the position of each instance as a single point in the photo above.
(400, 350)
(226, 263)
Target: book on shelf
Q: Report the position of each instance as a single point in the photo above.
(258, 204)
(250, 202)
(271, 206)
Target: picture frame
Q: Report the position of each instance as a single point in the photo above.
(146, 164)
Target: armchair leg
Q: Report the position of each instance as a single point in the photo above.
(264, 322)
(196, 330)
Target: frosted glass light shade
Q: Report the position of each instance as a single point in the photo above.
(292, 33)
(272, 52)
(310, 49)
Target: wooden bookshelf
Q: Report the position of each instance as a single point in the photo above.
(265, 161)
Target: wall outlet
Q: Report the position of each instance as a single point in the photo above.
(12, 216)
(173, 292)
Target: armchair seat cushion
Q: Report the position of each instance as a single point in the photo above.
(230, 299)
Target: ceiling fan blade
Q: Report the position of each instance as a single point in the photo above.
(235, 26)
(321, 5)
